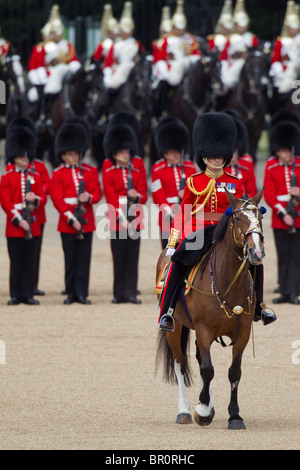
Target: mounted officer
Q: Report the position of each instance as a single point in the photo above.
(214, 137)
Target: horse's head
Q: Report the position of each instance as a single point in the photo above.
(140, 79)
(256, 71)
(247, 225)
(212, 73)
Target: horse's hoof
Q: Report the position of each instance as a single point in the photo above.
(184, 418)
(236, 424)
(204, 420)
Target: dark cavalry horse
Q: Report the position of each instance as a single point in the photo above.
(198, 90)
(13, 84)
(250, 96)
(221, 303)
(136, 96)
(83, 95)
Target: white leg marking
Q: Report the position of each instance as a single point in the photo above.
(183, 403)
(205, 410)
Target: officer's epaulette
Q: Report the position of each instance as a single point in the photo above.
(229, 174)
(9, 171)
(243, 167)
(275, 164)
(195, 174)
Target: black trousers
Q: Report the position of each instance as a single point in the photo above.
(22, 263)
(288, 260)
(125, 252)
(77, 255)
(38, 257)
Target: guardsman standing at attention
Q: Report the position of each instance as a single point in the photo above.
(37, 166)
(241, 164)
(170, 172)
(214, 137)
(74, 189)
(21, 193)
(282, 194)
(125, 189)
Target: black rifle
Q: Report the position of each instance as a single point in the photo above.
(182, 177)
(292, 202)
(80, 210)
(28, 207)
(130, 200)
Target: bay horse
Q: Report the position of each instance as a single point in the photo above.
(13, 82)
(198, 91)
(135, 95)
(221, 303)
(250, 96)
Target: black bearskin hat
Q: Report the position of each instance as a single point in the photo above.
(242, 140)
(285, 135)
(214, 135)
(119, 137)
(284, 115)
(124, 117)
(21, 139)
(74, 134)
(170, 134)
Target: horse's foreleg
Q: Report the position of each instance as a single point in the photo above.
(183, 416)
(204, 412)
(234, 375)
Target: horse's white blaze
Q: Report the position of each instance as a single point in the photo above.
(183, 403)
(205, 410)
(257, 249)
(255, 236)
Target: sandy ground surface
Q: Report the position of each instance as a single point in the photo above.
(83, 377)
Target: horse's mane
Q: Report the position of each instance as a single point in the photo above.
(220, 230)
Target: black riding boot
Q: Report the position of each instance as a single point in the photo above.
(46, 103)
(170, 295)
(257, 273)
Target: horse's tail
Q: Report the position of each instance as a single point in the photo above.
(164, 352)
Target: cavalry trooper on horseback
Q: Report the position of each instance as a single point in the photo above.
(172, 56)
(50, 62)
(237, 46)
(285, 55)
(123, 53)
(109, 34)
(204, 203)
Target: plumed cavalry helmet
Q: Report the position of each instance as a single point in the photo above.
(74, 134)
(21, 139)
(242, 140)
(126, 23)
(285, 135)
(119, 137)
(179, 19)
(108, 22)
(240, 17)
(170, 134)
(166, 22)
(225, 19)
(214, 135)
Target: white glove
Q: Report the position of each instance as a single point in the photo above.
(170, 252)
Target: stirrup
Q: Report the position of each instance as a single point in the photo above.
(168, 315)
(266, 317)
